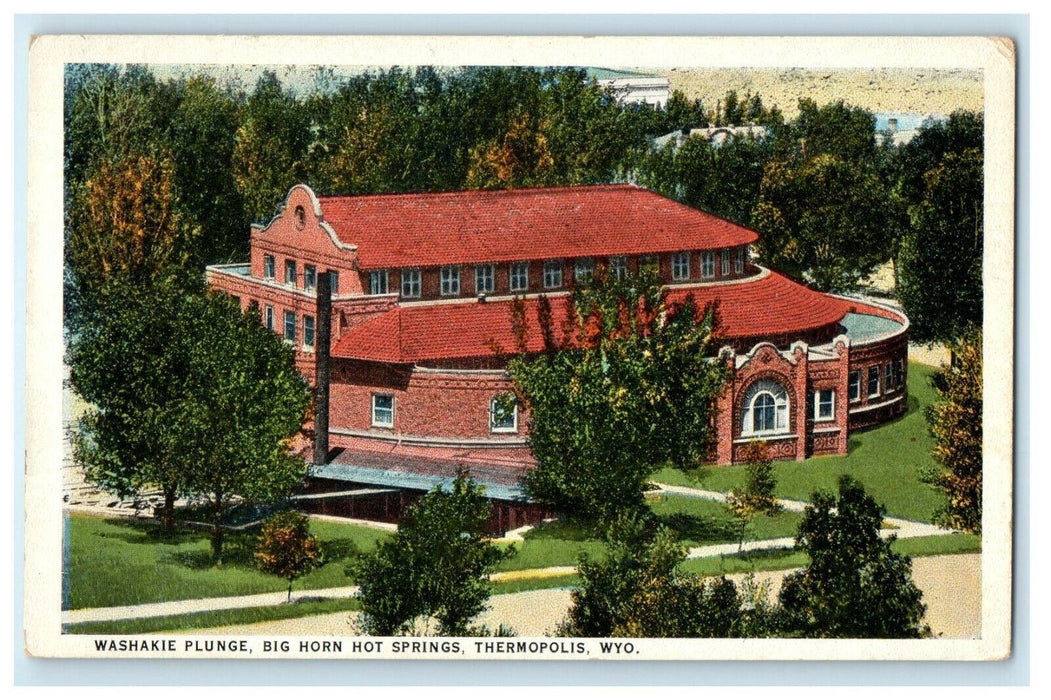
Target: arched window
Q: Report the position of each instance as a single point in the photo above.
(764, 410)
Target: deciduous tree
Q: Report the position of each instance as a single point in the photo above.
(956, 423)
(855, 585)
(629, 388)
(286, 547)
(758, 496)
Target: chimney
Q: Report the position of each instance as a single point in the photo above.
(322, 345)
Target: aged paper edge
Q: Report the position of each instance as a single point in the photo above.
(48, 54)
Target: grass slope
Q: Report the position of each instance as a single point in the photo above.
(888, 461)
(126, 562)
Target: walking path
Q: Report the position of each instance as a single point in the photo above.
(896, 526)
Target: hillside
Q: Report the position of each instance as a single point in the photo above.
(920, 91)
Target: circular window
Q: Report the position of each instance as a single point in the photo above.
(301, 217)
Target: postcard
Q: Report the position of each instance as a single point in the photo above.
(506, 347)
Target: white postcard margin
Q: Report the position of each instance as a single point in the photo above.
(44, 373)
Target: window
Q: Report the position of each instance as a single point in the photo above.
(726, 262)
(290, 326)
(855, 386)
(410, 283)
(301, 217)
(308, 333)
(383, 410)
(824, 405)
(268, 317)
(378, 282)
(618, 267)
(765, 409)
(290, 272)
(899, 370)
(484, 279)
(708, 264)
(503, 414)
(333, 276)
(268, 267)
(888, 378)
(519, 276)
(309, 278)
(649, 263)
(739, 261)
(583, 270)
(552, 274)
(874, 381)
(450, 281)
(680, 266)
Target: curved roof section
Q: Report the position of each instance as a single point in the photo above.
(429, 229)
(771, 305)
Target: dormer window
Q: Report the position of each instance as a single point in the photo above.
(290, 273)
(739, 261)
(726, 262)
(378, 282)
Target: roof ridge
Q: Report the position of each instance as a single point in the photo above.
(493, 192)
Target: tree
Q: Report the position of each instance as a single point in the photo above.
(823, 218)
(638, 590)
(855, 586)
(271, 147)
(956, 423)
(629, 387)
(758, 495)
(125, 221)
(946, 235)
(187, 394)
(436, 566)
(286, 547)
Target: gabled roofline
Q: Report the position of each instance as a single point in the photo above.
(316, 203)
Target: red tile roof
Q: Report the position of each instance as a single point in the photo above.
(427, 229)
(768, 306)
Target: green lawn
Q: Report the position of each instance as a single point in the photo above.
(218, 618)
(698, 523)
(126, 562)
(887, 460)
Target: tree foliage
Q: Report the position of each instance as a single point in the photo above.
(627, 385)
(125, 221)
(940, 276)
(758, 496)
(638, 590)
(436, 566)
(287, 549)
(187, 394)
(854, 586)
(956, 423)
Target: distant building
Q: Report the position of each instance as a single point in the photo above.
(421, 319)
(901, 127)
(639, 90)
(717, 135)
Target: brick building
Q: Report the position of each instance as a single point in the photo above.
(422, 289)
